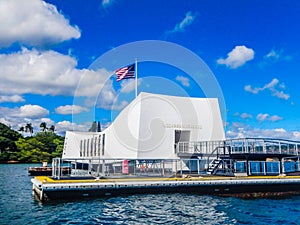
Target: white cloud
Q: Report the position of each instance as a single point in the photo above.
(70, 109)
(107, 96)
(275, 55)
(34, 23)
(60, 127)
(183, 80)
(25, 111)
(275, 118)
(182, 25)
(32, 111)
(237, 57)
(11, 98)
(128, 86)
(120, 106)
(63, 126)
(272, 87)
(246, 116)
(239, 130)
(263, 117)
(47, 73)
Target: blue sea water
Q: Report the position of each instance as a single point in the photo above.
(19, 206)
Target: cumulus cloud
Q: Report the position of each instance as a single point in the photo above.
(63, 126)
(237, 57)
(11, 98)
(183, 24)
(274, 87)
(47, 73)
(183, 80)
(25, 111)
(108, 100)
(33, 23)
(70, 109)
(32, 111)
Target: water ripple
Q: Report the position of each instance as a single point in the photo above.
(18, 206)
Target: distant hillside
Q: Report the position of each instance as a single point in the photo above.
(43, 146)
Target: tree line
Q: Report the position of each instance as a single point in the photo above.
(39, 147)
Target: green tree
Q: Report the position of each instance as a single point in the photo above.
(59, 141)
(31, 150)
(47, 139)
(8, 148)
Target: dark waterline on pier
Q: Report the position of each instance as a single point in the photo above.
(19, 206)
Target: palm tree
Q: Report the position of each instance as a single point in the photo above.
(52, 128)
(43, 126)
(21, 129)
(29, 128)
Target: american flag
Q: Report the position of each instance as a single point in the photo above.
(126, 72)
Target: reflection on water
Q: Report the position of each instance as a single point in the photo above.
(18, 206)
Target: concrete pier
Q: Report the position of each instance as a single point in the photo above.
(47, 188)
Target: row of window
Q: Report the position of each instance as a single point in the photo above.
(92, 147)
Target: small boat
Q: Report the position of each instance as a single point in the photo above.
(46, 170)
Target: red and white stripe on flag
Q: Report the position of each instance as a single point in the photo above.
(126, 72)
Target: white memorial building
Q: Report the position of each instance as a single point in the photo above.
(152, 126)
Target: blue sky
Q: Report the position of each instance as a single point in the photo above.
(252, 47)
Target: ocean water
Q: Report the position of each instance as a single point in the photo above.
(19, 206)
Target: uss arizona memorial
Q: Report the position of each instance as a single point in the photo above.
(161, 144)
(188, 131)
(151, 127)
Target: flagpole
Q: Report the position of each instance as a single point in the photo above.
(136, 77)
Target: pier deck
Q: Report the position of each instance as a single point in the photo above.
(47, 188)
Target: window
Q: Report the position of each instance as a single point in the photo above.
(103, 143)
(92, 146)
(182, 136)
(84, 147)
(99, 145)
(88, 147)
(80, 150)
(95, 147)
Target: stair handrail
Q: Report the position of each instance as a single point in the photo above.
(216, 150)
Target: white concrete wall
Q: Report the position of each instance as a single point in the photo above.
(145, 129)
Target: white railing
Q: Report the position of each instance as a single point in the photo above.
(241, 146)
(202, 147)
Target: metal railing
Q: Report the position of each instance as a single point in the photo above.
(199, 147)
(263, 146)
(241, 146)
(98, 168)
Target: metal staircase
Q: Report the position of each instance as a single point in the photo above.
(213, 166)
